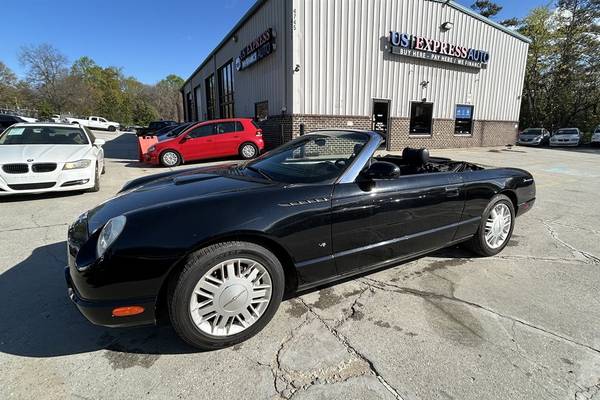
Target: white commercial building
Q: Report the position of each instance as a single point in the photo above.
(427, 73)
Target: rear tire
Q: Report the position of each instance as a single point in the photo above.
(248, 151)
(483, 242)
(170, 158)
(235, 310)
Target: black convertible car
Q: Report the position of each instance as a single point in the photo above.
(216, 249)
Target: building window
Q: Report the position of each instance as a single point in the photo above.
(463, 124)
(226, 90)
(209, 84)
(421, 118)
(261, 111)
(190, 106)
(198, 100)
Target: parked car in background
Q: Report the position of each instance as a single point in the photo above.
(93, 122)
(335, 210)
(595, 141)
(36, 158)
(566, 137)
(28, 119)
(172, 131)
(210, 139)
(154, 127)
(7, 120)
(534, 137)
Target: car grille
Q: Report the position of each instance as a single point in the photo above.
(43, 167)
(15, 168)
(32, 186)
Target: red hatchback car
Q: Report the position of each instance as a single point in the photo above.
(210, 139)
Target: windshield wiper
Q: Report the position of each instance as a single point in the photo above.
(259, 171)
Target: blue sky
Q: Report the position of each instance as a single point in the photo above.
(149, 39)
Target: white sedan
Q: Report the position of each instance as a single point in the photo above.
(37, 158)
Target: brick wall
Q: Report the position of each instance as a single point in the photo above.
(279, 129)
(314, 122)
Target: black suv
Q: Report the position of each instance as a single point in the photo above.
(154, 127)
(8, 120)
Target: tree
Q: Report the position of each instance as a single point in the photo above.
(8, 80)
(511, 22)
(487, 8)
(167, 98)
(46, 72)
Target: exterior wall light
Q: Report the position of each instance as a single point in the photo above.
(446, 26)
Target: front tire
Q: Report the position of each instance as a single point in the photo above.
(96, 187)
(170, 158)
(225, 294)
(496, 227)
(112, 128)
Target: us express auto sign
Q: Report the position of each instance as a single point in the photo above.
(436, 50)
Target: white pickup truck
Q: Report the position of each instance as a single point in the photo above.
(95, 123)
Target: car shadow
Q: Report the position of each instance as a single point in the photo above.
(123, 147)
(38, 319)
(584, 148)
(16, 198)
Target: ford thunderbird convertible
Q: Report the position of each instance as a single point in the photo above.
(215, 250)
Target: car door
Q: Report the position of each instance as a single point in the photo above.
(102, 123)
(384, 220)
(197, 143)
(227, 138)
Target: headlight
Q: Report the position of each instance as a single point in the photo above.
(109, 234)
(151, 149)
(77, 164)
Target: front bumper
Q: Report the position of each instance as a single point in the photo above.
(58, 181)
(565, 143)
(523, 142)
(100, 312)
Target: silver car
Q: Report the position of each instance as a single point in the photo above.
(566, 137)
(534, 137)
(596, 137)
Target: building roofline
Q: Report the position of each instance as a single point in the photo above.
(245, 18)
(486, 20)
(259, 3)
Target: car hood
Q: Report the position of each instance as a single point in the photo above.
(530, 135)
(170, 188)
(13, 153)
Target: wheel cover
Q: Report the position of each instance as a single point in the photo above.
(170, 158)
(497, 226)
(248, 151)
(231, 297)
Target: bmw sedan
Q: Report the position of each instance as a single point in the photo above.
(243, 236)
(566, 137)
(37, 158)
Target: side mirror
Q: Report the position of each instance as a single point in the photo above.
(99, 142)
(184, 139)
(382, 170)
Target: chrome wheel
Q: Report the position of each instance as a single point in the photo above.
(497, 226)
(248, 151)
(231, 297)
(170, 159)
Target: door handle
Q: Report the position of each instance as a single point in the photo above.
(452, 191)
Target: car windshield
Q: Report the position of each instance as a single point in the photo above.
(567, 132)
(532, 132)
(318, 157)
(43, 135)
(177, 131)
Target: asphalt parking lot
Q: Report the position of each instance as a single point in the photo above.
(521, 325)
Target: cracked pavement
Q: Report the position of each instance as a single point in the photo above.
(522, 325)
